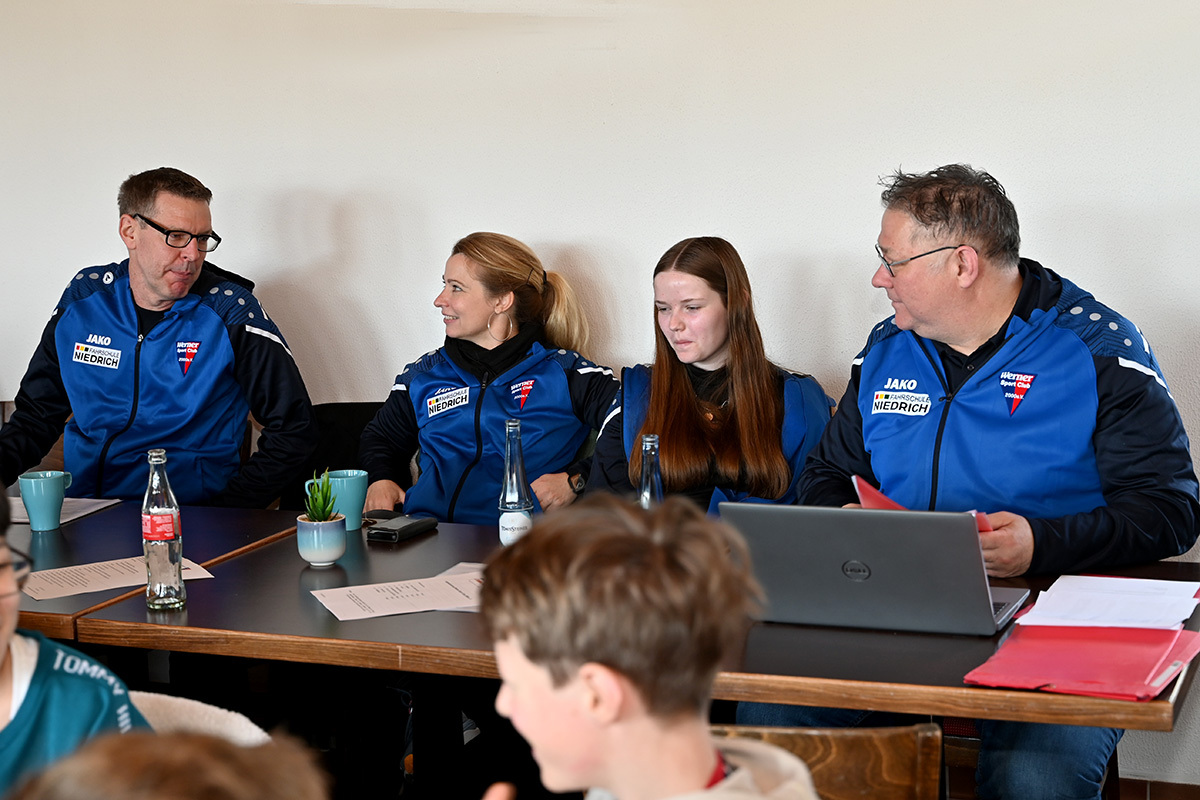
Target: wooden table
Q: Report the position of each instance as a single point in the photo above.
(211, 535)
(259, 605)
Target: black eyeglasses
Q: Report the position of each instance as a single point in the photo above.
(15, 572)
(888, 265)
(205, 242)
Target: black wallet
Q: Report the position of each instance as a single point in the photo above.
(400, 528)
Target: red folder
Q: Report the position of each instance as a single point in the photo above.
(870, 497)
(1121, 663)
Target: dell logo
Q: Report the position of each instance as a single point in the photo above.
(856, 571)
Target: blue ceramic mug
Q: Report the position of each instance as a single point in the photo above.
(42, 493)
(350, 493)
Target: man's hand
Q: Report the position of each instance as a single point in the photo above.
(1008, 549)
(501, 791)
(385, 495)
(553, 491)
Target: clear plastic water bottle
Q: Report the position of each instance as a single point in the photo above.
(516, 501)
(162, 539)
(651, 493)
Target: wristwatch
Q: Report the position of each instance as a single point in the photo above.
(577, 483)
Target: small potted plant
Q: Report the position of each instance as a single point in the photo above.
(320, 531)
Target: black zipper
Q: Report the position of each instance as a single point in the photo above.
(948, 398)
(478, 451)
(137, 352)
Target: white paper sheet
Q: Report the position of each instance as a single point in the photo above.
(47, 584)
(457, 591)
(1092, 601)
(73, 508)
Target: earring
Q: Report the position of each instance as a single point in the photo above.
(508, 333)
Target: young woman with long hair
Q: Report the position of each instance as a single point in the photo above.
(513, 336)
(731, 425)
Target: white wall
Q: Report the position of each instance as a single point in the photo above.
(350, 144)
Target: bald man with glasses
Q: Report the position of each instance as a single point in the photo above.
(162, 350)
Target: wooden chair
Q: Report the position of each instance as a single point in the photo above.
(879, 763)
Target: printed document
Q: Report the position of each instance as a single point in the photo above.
(451, 591)
(47, 584)
(73, 508)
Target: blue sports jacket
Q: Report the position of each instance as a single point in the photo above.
(458, 422)
(187, 386)
(1069, 424)
(806, 410)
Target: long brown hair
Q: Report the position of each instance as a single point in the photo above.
(504, 264)
(743, 438)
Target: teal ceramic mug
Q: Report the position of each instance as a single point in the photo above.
(350, 492)
(42, 493)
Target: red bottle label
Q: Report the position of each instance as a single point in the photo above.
(159, 527)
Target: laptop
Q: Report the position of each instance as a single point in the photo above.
(867, 568)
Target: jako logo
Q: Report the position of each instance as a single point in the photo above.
(900, 385)
(95, 338)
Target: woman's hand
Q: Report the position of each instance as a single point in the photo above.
(385, 495)
(553, 491)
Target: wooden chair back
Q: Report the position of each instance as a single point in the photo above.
(879, 763)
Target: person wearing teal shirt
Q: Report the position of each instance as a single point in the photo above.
(52, 698)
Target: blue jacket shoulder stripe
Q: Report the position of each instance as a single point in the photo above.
(1106, 333)
(882, 331)
(237, 306)
(425, 363)
(91, 280)
(569, 359)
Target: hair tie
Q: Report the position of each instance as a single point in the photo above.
(545, 279)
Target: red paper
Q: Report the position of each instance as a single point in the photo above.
(870, 497)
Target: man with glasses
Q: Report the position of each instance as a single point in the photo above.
(999, 385)
(162, 350)
(52, 698)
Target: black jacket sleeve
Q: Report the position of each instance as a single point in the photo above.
(273, 387)
(42, 409)
(390, 440)
(610, 467)
(839, 455)
(592, 389)
(1146, 474)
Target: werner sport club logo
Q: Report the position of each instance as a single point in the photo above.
(185, 352)
(521, 390)
(1015, 385)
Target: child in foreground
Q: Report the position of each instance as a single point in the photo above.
(609, 625)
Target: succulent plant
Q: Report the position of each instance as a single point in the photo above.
(319, 503)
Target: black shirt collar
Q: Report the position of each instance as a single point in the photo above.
(486, 364)
(960, 366)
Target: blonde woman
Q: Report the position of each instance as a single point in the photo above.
(514, 336)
